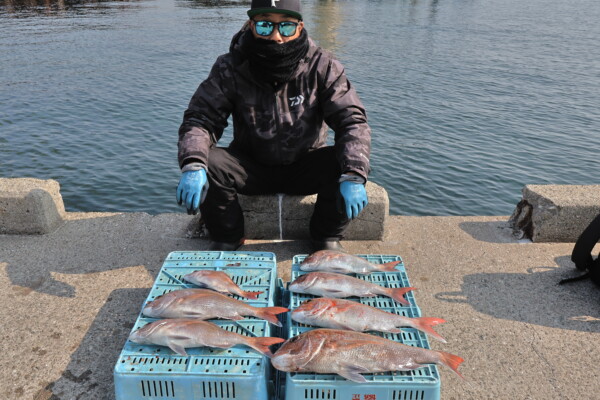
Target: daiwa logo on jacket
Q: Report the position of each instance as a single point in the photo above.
(296, 100)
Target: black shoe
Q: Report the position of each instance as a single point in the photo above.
(332, 244)
(224, 246)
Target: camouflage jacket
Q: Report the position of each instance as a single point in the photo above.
(277, 125)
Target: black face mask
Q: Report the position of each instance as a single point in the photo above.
(272, 62)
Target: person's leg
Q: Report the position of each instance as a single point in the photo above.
(318, 172)
(230, 173)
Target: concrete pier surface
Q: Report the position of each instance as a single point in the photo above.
(70, 297)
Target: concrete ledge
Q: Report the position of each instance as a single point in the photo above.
(262, 216)
(30, 206)
(555, 213)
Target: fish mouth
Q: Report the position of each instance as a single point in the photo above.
(282, 362)
(294, 287)
(150, 311)
(134, 336)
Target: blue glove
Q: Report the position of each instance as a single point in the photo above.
(191, 190)
(355, 198)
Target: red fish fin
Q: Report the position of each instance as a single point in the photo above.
(398, 294)
(251, 295)
(345, 306)
(390, 266)
(261, 344)
(270, 314)
(426, 325)
(451, 361)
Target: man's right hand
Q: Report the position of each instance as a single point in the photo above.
(192, 190)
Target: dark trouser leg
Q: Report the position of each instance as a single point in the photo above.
(318, 172)
(230, 173)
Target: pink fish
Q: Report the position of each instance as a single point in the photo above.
(343, 263)
(351, 354)
(336, 285)
(219, 281)
(207, 304)
(350, 315)
(179, 334)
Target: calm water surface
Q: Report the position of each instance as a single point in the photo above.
(468, 100)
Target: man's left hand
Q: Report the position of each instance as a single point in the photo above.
(355, 198)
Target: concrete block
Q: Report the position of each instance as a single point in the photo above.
(30, 206)
(555, 213)
(287, 217)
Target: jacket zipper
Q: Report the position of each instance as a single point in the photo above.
(277, 123)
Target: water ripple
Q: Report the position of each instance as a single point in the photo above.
(468, 101)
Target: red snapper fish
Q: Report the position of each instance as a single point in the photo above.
(351, 354)
(350, 315)
(343, 263)
(207, 304)
(327, 284)
(219, 281)
(179, 334)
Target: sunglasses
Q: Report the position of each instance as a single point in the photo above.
(285, 28)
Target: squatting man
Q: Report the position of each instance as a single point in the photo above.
(282, 92)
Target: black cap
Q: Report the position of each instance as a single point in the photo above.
(289, 7)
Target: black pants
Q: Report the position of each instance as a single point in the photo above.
(231, 172)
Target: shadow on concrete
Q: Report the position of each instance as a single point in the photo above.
(490, 231)
(533, 297)
(89, 374)
(284, 251)
(94, 245)
(103, 243)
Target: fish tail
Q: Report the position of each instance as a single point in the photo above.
(426, 325)
(398, 294)
(270, 314)
(390, 266)
(261, 344)
(451, 361)
(251, 295)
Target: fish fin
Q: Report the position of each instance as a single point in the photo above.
(261, 344)
(251, 295)
(398, 294)
(390, 266)
(337, 306)
(353, 373)
(177, 348)
(179, 337)
(332, 292)
(349, 328)
(270, 314)
(426, 324)
(338, 270)
(451, 361)
(193, 315)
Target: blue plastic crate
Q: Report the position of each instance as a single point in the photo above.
(145, 372)
(422, 384)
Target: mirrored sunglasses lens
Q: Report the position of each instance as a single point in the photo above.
(287, 28)
(264, 28)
